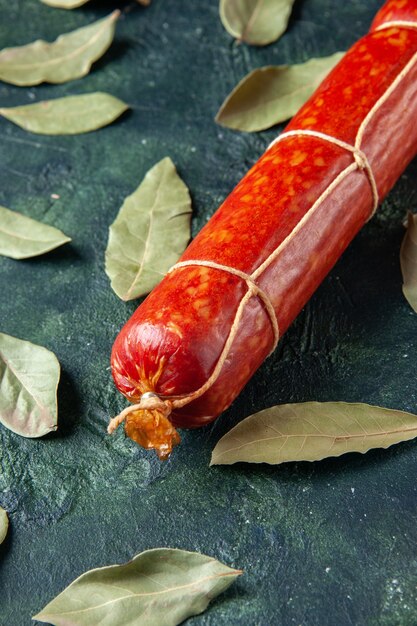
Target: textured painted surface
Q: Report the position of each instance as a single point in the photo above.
(320, 544)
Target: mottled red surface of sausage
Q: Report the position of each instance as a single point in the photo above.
(173, 341)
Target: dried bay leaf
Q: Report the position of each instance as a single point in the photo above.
(29, 376)
(149, 233)
(408, 260)
(22, 237)
(312, 431)
(257, 22)
(67, 58)
(65, 4)
(272, 94)
(4, 524)
(162, 587)
(67, 116)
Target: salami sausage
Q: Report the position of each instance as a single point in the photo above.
(197, 339)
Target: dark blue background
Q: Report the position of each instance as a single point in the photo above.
(321, 544)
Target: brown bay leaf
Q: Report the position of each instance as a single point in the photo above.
(256, 22)
(149, 233)
(71, 115)
(162, 587)
(29, 376)
(70, 56)
(4, 524)
(65, 4)
(22, 237)
(312, 431)
(272, 94)
(408, 260)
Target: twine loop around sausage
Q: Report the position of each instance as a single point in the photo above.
(254, 289)
(360, 158)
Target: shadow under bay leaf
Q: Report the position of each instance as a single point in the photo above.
(7, 543)
(116, 52)
(328, 470)
(65, 253)
(111, 5)
(235, 593)
(69, 407)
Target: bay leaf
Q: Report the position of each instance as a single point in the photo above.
(4, 524)
(29, 376)
(408, 260)
(162, 587)
(257, 22)
(272, 94)
(149, 233)
(67, 116)
(22, 237)
(65, 4)
(68, 57)
(312, 431)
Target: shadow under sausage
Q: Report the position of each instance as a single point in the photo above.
(370, 270)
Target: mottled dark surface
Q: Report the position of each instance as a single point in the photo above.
(321, 544)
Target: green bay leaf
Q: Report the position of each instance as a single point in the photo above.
(149, 233)
(312, 431)
(65, 4)
(22, 237)
(4, 524)
(408, 260)
(67, 58)
(272, 94)
(67, 116)
(257, 22)
(29, 376)
(162, 587)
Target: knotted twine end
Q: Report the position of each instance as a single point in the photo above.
(360, 159)
(147, 423)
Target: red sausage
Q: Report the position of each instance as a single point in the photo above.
(296, 210)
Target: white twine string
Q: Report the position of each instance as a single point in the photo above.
(397, 24)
